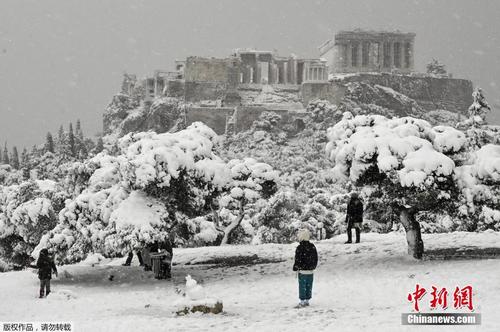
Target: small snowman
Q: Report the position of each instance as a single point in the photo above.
(194, 291)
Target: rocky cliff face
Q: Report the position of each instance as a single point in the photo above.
(121, 117)
(429, 92)
(368, 97)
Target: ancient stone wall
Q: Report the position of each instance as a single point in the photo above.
(175, 88)
(326, 91)
(199, 69)
(199, 91)
(214, 117)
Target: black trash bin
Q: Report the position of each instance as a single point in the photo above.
(161, 265)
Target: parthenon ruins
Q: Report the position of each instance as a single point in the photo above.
(369, 51)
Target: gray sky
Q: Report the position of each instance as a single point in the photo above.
(63, 59)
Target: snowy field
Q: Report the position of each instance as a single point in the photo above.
(360, 287)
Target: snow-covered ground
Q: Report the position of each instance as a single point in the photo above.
(357, 287)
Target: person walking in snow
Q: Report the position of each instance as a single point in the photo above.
(306, 260)
(354, 217)
(46, 266)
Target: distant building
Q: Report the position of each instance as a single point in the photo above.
(255, 67)
(369, 51)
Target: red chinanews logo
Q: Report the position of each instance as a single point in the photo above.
(462, 297)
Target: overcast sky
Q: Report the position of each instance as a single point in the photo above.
(61, 60)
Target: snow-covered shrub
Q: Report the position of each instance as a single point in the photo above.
(9, 175)
(4, 267)
(201, 232)
(267, 121)
(442, 117)
(278, 221)
(479, 181)
(323, 114)
(319, 219)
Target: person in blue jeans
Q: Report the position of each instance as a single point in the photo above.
(306, 260)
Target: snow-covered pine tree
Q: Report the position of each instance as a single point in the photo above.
(99, 147)
(71, 140)
(5, 155)
(477, 111)
(15, 158)
(49, 143)
(436, 68)
(78, 130)
(409, 166)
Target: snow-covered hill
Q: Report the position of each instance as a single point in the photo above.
(356, 288)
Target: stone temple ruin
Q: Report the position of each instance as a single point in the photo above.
(369, 51)
(232, 92)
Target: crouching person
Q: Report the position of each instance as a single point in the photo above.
(46, 266)
(306, 260)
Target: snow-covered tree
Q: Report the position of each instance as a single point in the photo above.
(99, 147)
(78, 130)
(15, 158)
(24, 158)
(5, 155)
(60, 136)
(49, 143)
(407, 164)
(71, 140)
(146, 191)
(27, 211)
(436, 68)
(477, 111)
(251, 181)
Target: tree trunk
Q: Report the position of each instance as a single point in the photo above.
(215, 215)
(413, 235)
(232, 226)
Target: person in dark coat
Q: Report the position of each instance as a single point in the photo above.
(306, 260)
(131, 255)
(46, 266)
(354, 217)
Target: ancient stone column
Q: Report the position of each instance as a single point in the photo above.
(285, 73)
(348, 54)
(391, 54)
(360, 54)
(411, 56)
(294, 72)
(402, 53)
